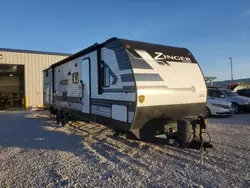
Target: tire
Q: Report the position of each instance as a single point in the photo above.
(62, 122)
(58, 118)
(51, 111)
(64, 119)
(207, 112)
(236, 108)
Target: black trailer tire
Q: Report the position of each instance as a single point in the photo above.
(64, 119)
(51, 111)
(58, 118)
(62, 122)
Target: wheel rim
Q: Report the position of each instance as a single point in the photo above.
(235, 109)
(207, 112)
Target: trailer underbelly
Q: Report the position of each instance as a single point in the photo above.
(153, 118)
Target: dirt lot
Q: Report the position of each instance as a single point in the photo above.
(34, 152)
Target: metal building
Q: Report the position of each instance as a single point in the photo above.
(21, 74)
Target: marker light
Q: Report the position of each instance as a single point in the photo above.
(127, 46)
(141, 98)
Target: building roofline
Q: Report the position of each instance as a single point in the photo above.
(34, 52)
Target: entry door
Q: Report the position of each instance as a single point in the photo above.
(86, 86)
(50, 93)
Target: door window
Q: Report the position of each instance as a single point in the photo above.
(217, 94)
(214, 93)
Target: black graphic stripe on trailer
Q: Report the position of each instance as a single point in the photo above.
(127, 77)
(159, 52)
(138, 63)
(120, 53)
(108, 103)
(126, 89)
(68, 99)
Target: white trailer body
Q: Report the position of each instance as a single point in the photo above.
(129, 85)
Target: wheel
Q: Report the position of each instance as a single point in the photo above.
(58, 118)
(62, 122)
(207, 112)
(64, 119)
(51, 111)
(236, 108)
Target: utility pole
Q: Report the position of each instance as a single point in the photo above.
(231, 59)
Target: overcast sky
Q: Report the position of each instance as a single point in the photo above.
(212, 30)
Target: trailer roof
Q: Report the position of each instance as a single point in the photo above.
(150, 47)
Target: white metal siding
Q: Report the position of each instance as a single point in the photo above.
(102, 111)
(182, 83)
(74, 90)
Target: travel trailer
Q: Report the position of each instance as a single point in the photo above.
(126, 85)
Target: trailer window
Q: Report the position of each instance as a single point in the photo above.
(105, 76)
(75, 78)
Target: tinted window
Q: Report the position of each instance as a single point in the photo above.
(214, 93)
(247, 93)
(229, 93)
(210, 93)
(217, 93)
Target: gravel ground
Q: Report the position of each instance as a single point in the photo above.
(34, 152)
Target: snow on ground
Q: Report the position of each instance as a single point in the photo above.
(35, 152)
